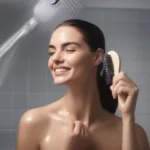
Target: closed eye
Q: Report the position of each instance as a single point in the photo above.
(70, 50)
(51, 53)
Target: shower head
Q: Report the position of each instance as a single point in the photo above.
(53, 2)
(46, 10)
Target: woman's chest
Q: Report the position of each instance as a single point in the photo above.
(99, 140)
(107, 141)
(53, 137)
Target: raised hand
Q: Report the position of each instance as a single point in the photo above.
(127, 92)
(76, 137)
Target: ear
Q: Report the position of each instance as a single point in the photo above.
(99, 55)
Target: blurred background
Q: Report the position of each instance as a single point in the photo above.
(25, 79)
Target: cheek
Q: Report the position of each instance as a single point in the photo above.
(74, 60)
(80, 62)
(49, 64)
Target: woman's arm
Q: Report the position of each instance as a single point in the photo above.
(134, 136)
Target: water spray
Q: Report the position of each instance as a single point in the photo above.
(44, 11)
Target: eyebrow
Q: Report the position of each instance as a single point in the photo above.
(64, 44)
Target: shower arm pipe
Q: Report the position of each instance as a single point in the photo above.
(23, 31)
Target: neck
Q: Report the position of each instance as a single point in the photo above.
(83, 102)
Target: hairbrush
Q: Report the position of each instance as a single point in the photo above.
(116, 62)
(115, 66)
(111, 66)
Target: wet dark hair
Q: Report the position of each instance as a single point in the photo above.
(94, 37)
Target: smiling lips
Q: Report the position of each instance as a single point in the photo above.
(61, 71)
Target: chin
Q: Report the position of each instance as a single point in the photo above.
(61, 81)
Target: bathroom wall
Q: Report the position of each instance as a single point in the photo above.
(127, 31)
(29, 84)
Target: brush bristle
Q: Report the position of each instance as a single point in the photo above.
(108, 69)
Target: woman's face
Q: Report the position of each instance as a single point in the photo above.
(70, 57)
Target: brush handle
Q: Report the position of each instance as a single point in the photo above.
(116, 61)
(117, 65)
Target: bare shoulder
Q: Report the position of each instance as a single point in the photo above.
(142, 137)
(33, 120)
(32, 126)
(29, 129)
(140, 133)
(32, 116)
(39, 114)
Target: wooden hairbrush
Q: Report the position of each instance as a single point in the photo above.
(116, 64)
(116, 61)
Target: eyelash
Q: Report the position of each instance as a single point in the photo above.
(51, 53)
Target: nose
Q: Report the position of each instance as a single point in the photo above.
(57, 57)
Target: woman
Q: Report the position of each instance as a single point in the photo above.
(84, 118)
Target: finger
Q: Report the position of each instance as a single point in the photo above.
(86, 131)
(121, 75)
(77, 129)
(121, 83)
(112, 92)
(85, 128)
(71, 126)
(123, 89)
(131, 100)
(82, 130)
(120, 91)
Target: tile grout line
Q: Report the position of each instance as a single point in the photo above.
(28, 83)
